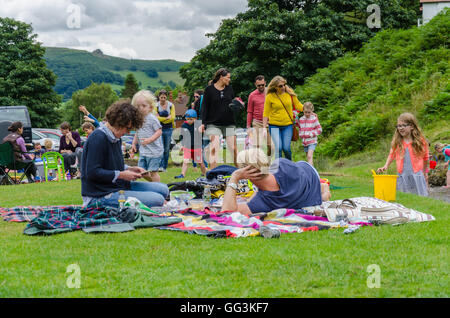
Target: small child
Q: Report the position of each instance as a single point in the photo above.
(192, 143)
(309, 129)
(445, 149)
(38, 151)
(409, 149)
(149, 136)
(48, 145)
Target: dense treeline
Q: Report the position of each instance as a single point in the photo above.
(292, 38)
(24, 77)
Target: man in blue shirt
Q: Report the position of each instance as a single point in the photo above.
(283, 184)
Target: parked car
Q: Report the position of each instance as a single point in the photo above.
(10, 114)
(37, 136)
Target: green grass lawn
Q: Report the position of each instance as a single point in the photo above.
(413, 258)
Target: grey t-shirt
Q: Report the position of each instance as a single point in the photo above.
(154, 149)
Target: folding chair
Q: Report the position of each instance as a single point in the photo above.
(8, 164)
(54, 161)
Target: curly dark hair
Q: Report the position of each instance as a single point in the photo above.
(121, 114)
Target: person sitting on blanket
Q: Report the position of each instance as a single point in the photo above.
(283, 184)
(103, 171)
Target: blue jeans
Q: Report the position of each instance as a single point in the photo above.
(149, 193)
(282, 137)
(166, 137)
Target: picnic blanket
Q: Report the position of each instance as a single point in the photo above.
(60, 219)
(350, 214)
(368, 209)
(235, 224)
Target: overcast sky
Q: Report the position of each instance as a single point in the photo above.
(146, 29)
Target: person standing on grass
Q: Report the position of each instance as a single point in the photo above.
(149, 136)
(278, 115)
(309, 129)
(166, 115)
(218, 117)
(255, 110)
(409, 149)
(192, 143)
(104, 172)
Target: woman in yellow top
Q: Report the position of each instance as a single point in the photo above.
(166, 115)
(278, 115)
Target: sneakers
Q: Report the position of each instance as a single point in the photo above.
(179, 177)
(161, 169)
(268, 232)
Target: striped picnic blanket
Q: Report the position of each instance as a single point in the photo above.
(235, 224)
(28, 213)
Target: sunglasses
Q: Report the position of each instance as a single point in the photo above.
(282, 85)
(402, 126)
(260, 85)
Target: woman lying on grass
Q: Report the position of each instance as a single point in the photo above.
(282, 184)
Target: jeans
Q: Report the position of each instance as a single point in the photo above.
(166, 138)
(149, 193)
(282, 137)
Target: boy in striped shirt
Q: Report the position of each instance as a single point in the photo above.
(309, 129)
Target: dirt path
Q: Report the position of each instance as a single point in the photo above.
(440, 194)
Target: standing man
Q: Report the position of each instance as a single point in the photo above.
(255, 112)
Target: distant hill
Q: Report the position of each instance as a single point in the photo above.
(76, 70)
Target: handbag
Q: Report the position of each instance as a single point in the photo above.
(295, 133)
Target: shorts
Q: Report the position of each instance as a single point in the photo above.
(226, 131)
(310, 147)
(194, 154)
(149, 164)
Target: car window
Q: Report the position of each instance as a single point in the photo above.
(36, 136)
(14, 114)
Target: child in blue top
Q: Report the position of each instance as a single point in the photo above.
(191, 139)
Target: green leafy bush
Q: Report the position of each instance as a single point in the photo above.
(360, 95)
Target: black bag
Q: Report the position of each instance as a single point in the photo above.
(236, 106)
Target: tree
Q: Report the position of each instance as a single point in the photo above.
(290, 38)
(131, 86)
(96, 97)
(24, 76)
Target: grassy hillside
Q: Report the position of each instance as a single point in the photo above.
(76, 70)
(359, 96)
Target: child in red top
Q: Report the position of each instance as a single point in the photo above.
(410, 151)
(309, 130)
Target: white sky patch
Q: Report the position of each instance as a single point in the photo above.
(151, 29)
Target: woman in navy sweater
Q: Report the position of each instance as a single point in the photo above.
(104, 172)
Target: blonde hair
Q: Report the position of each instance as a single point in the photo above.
(254, 157)
(418, 139)
(308, 106)
(273, 86)
(48, 144)
(147, 95)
